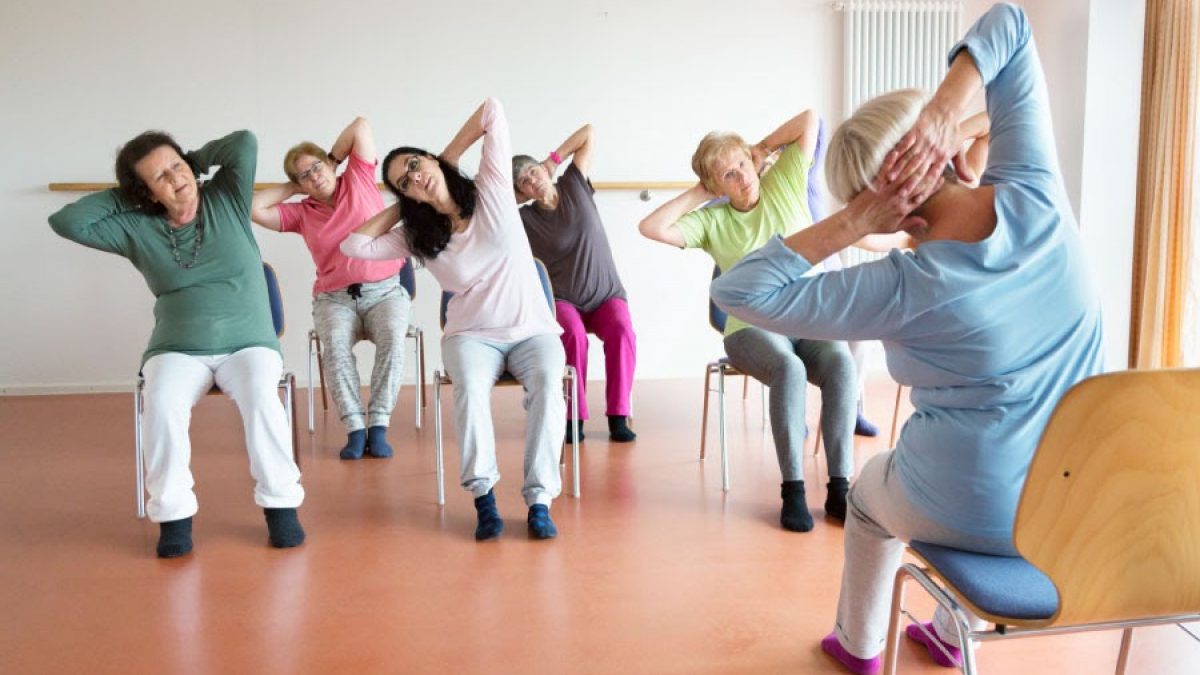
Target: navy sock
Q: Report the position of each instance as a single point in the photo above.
(490, 525)
(377, 445)
(540, 525)
(835, 497)
(175, 538)
(795, 515)
(356, 442)
(283, 526)
(618, 429)
(863, 426)
(579, 425)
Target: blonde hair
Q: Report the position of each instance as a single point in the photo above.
(305, 148)
(711, 148)
(859, 145)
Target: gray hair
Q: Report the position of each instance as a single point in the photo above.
(859, 145)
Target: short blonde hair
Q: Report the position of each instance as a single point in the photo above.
(859, 145)
(712, 147)
(305, 148)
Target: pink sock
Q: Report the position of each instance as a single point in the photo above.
(914, 633)
(832, 647)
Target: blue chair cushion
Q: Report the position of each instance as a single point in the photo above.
(999, 585)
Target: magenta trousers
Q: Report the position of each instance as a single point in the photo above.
(611, 323)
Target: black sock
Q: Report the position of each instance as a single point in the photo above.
(490, 525)
(795, 515)
(377, 445)
(540, 524)
(356, 442)
(175, 538)
(618, 429)
(283, 527)
(579, 425)
(835, 497)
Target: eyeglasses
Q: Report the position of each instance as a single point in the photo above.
(413, 164)
(314, 169)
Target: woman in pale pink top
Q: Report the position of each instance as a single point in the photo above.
(352, 299)
(468, 233)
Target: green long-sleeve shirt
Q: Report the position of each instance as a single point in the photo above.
(218, 306)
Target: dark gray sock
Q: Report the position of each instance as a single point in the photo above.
(283, 527)
(795, 515)
(175, 538)
(490, 524)
(835, 497)
(618, 429)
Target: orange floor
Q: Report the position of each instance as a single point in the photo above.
(655, 570)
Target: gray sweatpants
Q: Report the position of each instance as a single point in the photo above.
(380, 314)
(786, 365)
(880, 519)
(474, 365)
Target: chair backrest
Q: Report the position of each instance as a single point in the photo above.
(816, 207)
(275, 298)
(408, 278)
(1111, 506)
(543, 276)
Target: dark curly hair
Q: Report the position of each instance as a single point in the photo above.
(131, 185)
(426, 231)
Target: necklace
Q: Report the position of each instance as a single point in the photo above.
(195, 248)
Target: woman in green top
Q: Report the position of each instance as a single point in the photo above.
(756, 212)
(212, 320)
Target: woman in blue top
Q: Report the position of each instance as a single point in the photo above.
(990, 320)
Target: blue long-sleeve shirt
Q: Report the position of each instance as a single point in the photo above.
(989, 335)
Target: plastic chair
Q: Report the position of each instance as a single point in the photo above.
(1106, 526)
(570, 392)
(287, 386)
(409, 282)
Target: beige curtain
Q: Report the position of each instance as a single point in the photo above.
(1162, 256)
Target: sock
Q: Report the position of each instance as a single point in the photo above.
(356, 442)
(852, 663)
(914, 633)
(283, 527)
(618, 429)
(175, 538)
(579, 425)
(377, 445)
(835, 497)
(540, 525)
(863, 426)
(490, 525)
(795, 515)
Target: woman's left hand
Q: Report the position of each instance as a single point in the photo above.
(887, 206)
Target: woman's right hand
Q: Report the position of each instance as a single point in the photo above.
(886, 207)
(925, 149)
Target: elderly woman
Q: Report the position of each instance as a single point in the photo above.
(468, 234)
(990, 320)
(727, 167)
(564, 229)
(212, 321)
(352, 299)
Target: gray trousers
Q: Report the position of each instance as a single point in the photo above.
(474, 365)
(786, 365)
(380, 314)
(879, 520)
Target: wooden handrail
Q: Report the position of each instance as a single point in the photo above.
(599, 185)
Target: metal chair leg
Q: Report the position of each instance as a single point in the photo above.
(895, 416)
(704, 416)
(721, 426)
(311, 422)
(573, 375)
(418, 375)
(891, 653)
(437, 437)
(1123, 655)
(138, 457)
(289, 398)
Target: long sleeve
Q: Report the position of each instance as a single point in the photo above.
(495, 165)
(768, 289)
(388, 246)
(237, 155)
(100, 221)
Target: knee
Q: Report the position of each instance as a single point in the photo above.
(575, 335)
(789, 371)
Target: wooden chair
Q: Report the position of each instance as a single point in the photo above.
(1108, 523)
(409, 281)
(287, 387)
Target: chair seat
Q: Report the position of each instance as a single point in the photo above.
(999, 585)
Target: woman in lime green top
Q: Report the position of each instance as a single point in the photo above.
(757, 211)
(212, 321)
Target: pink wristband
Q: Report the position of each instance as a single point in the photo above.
(554, 156)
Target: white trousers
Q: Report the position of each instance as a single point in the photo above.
(174, 384)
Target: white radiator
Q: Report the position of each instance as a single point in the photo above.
(894, 44)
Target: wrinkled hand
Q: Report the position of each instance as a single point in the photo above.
(886, 207)
(759, 155)
(925, 149)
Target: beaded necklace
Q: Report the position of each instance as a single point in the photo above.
(195, 248)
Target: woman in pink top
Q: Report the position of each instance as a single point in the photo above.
(468, 233)
(352, 299)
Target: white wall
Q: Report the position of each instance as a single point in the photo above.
(77, 78)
